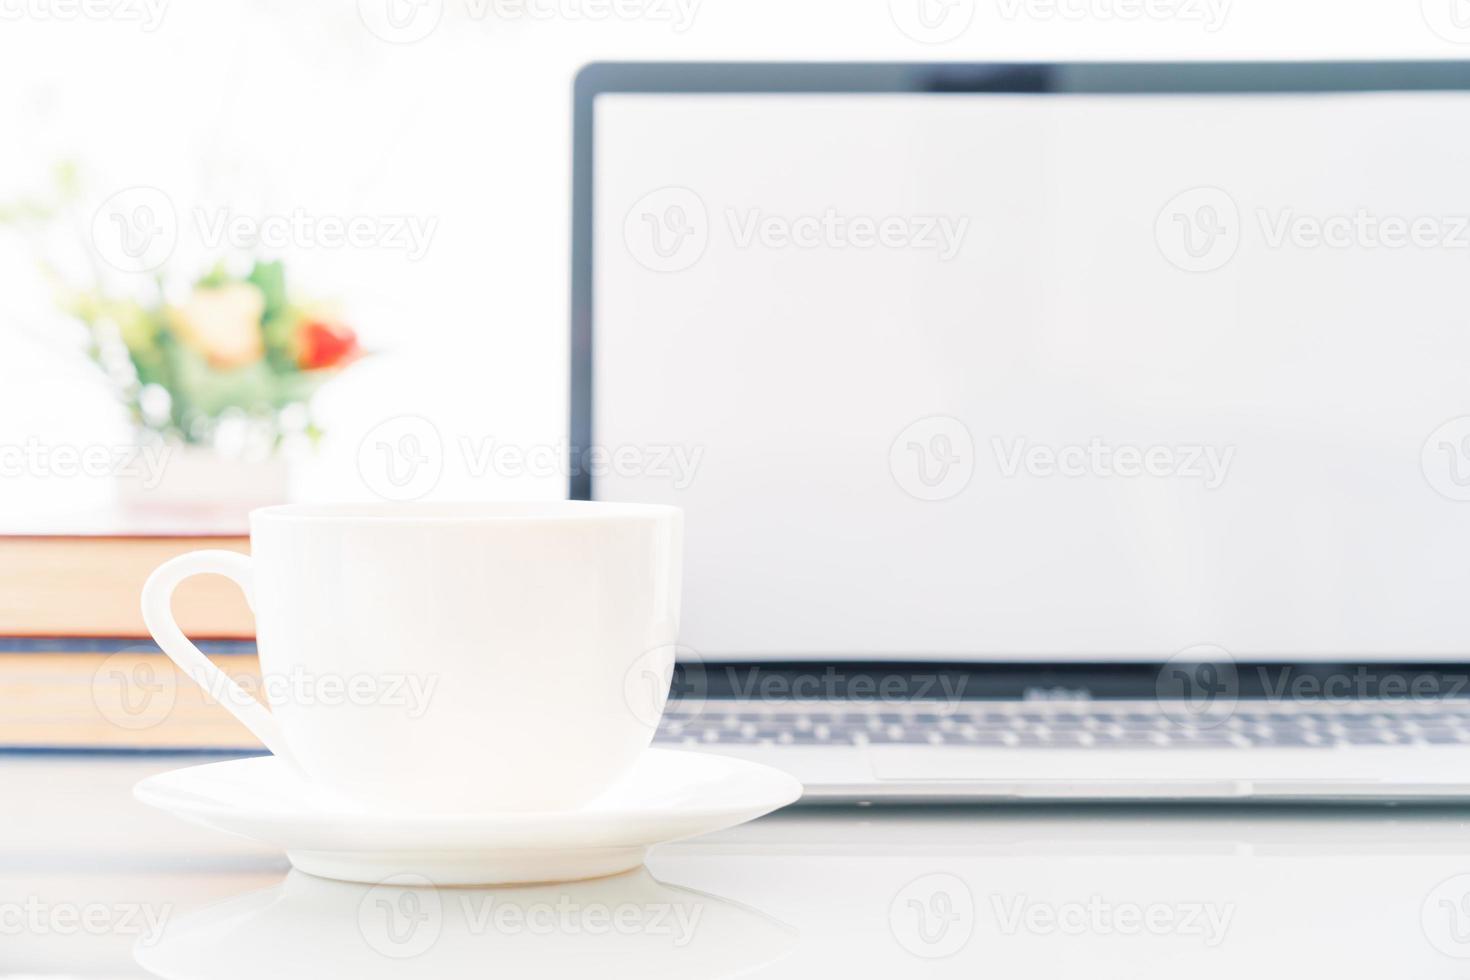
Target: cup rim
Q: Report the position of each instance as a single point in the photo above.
(468, 512)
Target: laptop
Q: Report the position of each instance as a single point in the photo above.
(1043, 431)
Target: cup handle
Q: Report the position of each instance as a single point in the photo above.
(158, 594)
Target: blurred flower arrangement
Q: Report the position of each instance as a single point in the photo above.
(230, 361)
(235, 348)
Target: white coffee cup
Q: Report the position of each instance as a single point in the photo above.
(450, 658)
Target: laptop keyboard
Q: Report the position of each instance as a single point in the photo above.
(1095, 726)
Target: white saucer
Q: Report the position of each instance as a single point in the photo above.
(669, 795)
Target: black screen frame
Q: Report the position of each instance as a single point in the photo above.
(991, 678)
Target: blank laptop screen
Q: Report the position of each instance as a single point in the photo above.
(1073, 377)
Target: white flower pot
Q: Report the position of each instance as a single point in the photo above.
(195, 478)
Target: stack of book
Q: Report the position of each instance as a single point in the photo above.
(78, 671)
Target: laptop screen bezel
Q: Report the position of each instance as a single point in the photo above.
(997, 678)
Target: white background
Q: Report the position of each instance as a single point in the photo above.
(1292, 386)
(265, 105)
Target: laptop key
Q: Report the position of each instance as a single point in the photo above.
(1068, 739)
(1282, 740)
(985, 739)
(910, 737)
(1205, 740)
(803, 738)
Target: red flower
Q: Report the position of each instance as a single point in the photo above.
(322, 344)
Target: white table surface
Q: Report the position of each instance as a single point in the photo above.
(92, 884)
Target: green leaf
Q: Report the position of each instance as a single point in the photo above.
(218, 276)
(270, 279)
